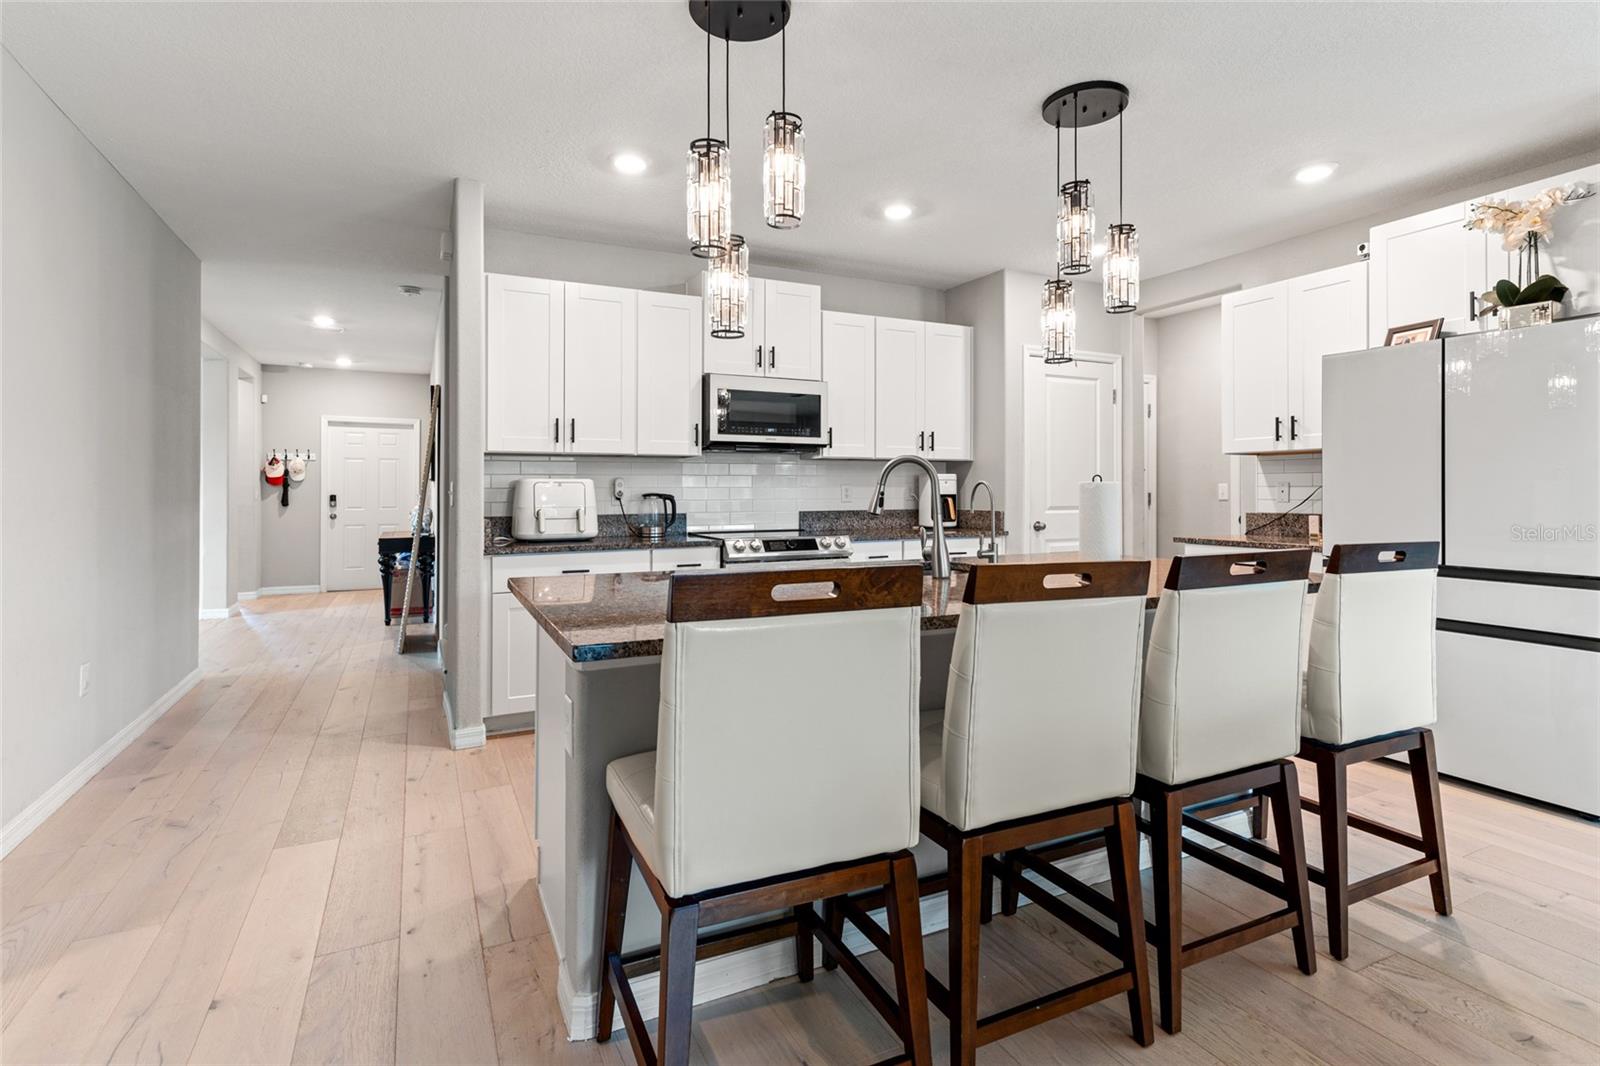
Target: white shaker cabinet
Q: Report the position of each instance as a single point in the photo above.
(1571, 251)
(1255, 368)
(1429, 266)
(1327, 314)
(947, 390)
(849, 366)
(671, 340)
(602, 358)
(745, 355)
(897, 406)
(513, 656)
(791, 320)
(523, 376)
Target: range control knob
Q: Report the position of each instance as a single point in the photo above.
(738, 545)
(756, 546)
(841, 543)
(825, 542)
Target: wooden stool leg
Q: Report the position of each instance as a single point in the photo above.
(1258, 817)
(804, 956)
(1333, 795)
(679, 929)
(1166, 846)
(986, 903)
(966, 886)
(1009, 896)
(1430, 816)
(833, 917)
(619, 871)
(910, 977)
(1292, 852)
(1122, 853)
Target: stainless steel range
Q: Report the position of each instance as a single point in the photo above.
(743, 547)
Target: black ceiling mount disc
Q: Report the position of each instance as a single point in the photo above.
(740, 20)
(1098, 101)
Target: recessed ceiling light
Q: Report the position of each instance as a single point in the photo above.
(1312, 173)
(342, 361)
(324, 322)
(897, 212)
(629, 163)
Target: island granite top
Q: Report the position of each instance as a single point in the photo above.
(600, 617)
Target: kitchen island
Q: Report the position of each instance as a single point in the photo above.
(600, 646)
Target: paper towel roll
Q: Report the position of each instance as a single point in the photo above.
(1100, 520)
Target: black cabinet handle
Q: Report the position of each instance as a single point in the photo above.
(1294, 423)
(1277, 428)
(772, 357)
(558, 431)
(932, 446)
(920, 436)
(830, 436)
(758, 356)
(697, 434)
(572, 432)
(1472, 306)
(585, 570)
(688, 566)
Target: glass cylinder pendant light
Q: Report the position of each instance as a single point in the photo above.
(727, 289)
(1058, 321)
(710, 186)
(1121, 262)
(783, 167)
(1075, 216)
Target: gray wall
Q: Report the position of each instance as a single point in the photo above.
(216, 387)
(1189, 459)
(297, 401)
(512, 252)
(244, 461)
(100, 424)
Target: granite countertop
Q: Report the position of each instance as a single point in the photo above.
(1255, 540)
(596, 617)
(895, 524)
(1266, 529)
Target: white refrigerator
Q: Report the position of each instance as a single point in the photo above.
(1490, 444)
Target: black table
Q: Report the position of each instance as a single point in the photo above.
(392, 545)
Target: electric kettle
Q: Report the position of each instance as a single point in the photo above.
(657, 512)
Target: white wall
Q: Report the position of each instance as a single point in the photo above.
(100, 430)
(244, 461)
(297, 401)
(215, 396)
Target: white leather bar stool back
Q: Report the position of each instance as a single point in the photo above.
(1222, 673)
(1042, 708)
(1370, 666)
(784, 743)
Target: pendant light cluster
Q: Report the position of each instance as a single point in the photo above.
(1087, 103)
(710, 186)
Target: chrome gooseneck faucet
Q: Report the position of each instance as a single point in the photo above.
(941, 553)
(992, 552)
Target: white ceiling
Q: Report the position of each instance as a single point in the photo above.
(282, 138)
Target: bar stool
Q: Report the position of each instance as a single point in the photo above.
(1219, 717)
(1370, 693)
(786, 771)
(1037, 742)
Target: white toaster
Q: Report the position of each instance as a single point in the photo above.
(553, 509)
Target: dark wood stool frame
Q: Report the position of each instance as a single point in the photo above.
(706, 596)
(971, 863)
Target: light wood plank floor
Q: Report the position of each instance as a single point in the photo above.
(292, 865)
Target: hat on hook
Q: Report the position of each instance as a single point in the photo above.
(273, 470)
(297, 469)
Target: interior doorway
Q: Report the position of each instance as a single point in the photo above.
(1151, 466)
(369, 485)
(1071, 433)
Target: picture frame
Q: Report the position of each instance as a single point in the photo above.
(1414, 333)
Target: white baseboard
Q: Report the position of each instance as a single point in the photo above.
(252, 594)
(17, 830)
(739, 971)
(285, 590)
(216, 612)
(472, 736)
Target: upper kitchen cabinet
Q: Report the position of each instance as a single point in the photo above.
(1571, 251)
(1273, 341)
(602, 359)
(923, 402)
(782, 336)
(671, 336)
(523, 378)
(849, 366)
(1425, 267)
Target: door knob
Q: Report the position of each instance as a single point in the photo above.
(1038, 527)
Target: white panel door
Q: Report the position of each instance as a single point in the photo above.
(947, 390)
(1327, 314)
(522, 378)
(1426, 267)
(1255, 369)
(1071, 436)
(369, 485)
(602, 352)
(849, 366)
(897, 405)
(792, 324)
(514, 658)
(671, 341)
(745, 355)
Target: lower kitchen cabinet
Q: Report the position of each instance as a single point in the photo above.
(513, 657)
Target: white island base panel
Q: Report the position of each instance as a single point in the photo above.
(593, 713)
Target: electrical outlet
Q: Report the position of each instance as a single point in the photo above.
(83, 680)
(616, 488)
(847, 494)
(1222, 490)
(1280, 492)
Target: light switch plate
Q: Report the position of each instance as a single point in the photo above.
(1222, 490)
(1280, 493)
(846, 494)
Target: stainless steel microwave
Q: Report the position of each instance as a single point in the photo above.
(780, 413)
